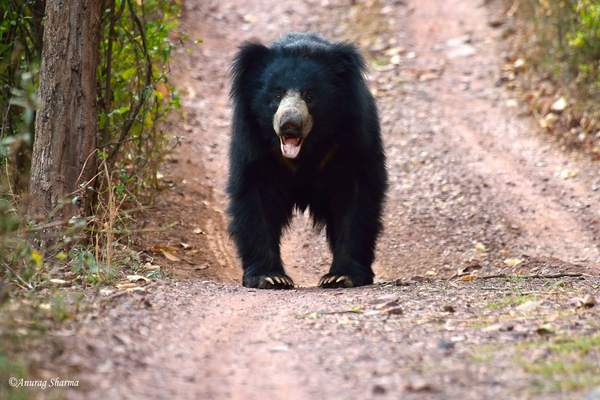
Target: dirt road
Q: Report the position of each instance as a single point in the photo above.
(474, 190)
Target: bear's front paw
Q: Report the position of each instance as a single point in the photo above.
(335, 281)
(271, 281)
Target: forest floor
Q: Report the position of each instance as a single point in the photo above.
(476, 192)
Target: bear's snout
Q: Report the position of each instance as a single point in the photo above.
(291, 124)
(292, 117)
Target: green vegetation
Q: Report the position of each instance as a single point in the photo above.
(563, 364)
(509, 301)
(134, 100)
(567, 35)
(483, 354)
(563, 45)
(23, 342)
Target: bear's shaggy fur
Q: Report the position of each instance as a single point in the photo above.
(305, 135)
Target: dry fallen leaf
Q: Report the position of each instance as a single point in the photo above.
(126, 285)
(137, 278)
(150, 267)
(480, 247)
(384, 305)
(588, 301)
(559, 105)
(519, 65)
(186, 246)
(250, 18)
(165, 248)
(283, 347)
(392, 310)
(198, 231)
(529, 306)
(546, 329)
(387, 298)
(468, 269)
(512, 262)
(569, 173)
(59, 281)
(395, 51)
(418, 386)
(170, 257)
(428, 76)
(549, 121)
(395, 59)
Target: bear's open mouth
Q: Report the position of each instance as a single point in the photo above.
(290, 146)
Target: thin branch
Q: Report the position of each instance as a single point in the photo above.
(108, 72)
(47, 226)
(131, 231)
(147, 83)
(17, 275)
(539, 276)
(118, 143)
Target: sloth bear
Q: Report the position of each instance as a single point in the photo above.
(305, 134)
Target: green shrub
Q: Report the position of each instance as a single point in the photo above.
(567, 42)
(584, 42)
(134, 98)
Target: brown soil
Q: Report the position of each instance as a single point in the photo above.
(471, 185)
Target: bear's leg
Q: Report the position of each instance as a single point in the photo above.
(257, 220)
(353, 225)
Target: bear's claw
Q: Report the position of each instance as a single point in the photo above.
(269, 282)
(335, 281)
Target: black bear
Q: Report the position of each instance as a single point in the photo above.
(305, 135)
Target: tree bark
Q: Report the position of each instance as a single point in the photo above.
(66, 133)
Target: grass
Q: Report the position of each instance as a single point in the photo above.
(567, 364)
(483, 354)
(510, 301)
(25, 323)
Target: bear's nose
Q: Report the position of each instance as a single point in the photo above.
(291, 124)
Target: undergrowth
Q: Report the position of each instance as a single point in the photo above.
(560, 41)
(135, 99)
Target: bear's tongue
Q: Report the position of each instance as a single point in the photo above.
(290, 146)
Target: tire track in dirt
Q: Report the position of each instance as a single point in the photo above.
(517, 166)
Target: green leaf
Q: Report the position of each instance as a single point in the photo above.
(129, 73)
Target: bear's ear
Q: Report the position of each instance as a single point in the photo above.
(348, 60)
(247, 66)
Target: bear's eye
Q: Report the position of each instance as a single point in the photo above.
(308, 96)
(278, 96)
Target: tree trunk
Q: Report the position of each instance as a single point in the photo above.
(66, 133)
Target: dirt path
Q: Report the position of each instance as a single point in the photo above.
(471, 185)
